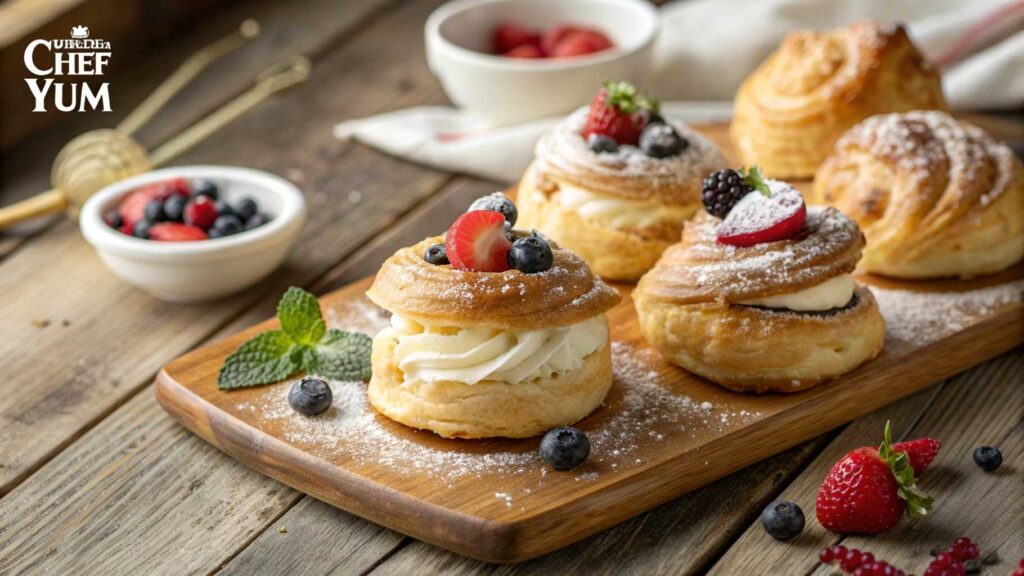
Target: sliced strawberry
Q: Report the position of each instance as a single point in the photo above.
(921, 452)
(175, 232)
(133, 207)
(477, 241)
(581, 42)
(550, 38)
(758, 218)
(508, 36)
(617, 112)
(524, 51)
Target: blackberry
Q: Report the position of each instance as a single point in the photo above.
(722, 190)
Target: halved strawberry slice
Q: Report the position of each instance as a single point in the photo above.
(759, 218)
(133, 207)
(552, 36)
(175, 232)
(581, 42)
(508, 36)
(476, 241)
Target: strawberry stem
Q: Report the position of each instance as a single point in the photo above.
(625, 97)
(918, 502)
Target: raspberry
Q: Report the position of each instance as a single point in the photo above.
(722, 190)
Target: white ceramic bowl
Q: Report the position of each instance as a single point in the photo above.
(207, 269)
(504, 90)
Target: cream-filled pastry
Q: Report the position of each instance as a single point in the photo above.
(477, 348)
(614, 181)
(759, 298)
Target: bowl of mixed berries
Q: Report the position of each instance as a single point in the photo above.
(194, 233)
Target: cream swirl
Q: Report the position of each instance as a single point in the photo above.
(619, 213)
(833, 293)
(471, 355)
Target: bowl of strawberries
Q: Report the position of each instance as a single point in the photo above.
(509, 61)
(194, 233)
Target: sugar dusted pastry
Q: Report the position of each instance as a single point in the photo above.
(935, 196)
(761, 300)
(794, 107)
(490, 337)
(614, 182)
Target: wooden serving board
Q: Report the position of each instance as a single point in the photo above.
(661, 432)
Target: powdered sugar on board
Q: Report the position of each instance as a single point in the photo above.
(920, 318)
(351, 431)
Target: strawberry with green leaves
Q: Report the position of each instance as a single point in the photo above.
(619, 112)
(869, 489)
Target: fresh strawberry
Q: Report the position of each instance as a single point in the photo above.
(763, 215)
(477, 241)
(201, 212)
(868, 490)
(579, 43)
(551, 37)
(524, 51)
(175, 232)
(921, 452)
(508, 36)
(616, 112)
(133, 207)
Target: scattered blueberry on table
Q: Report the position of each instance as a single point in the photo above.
(988, 458)
(185, 211)
(783, 519)
(565, 448)
(310, 396)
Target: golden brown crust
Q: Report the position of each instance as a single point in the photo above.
(749, 349)
(794, 107)
(935, 196)
(566, 294)
(620, 255)
(488, 409)
(563, 156)
(699, 270)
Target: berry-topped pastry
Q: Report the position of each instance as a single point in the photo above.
(758, 295)
(494, 331)
(615, 181)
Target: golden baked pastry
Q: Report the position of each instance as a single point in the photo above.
(481, 354)
(935, 197)
(793, 108)
(619, 210)
(778, 316)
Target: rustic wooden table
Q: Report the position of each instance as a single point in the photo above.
(96, 479)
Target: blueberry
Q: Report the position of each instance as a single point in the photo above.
(204, 187)
(436, 254)
(497, 202)
(564, 448)
(599, 143)
(154, 211)
(783, 519)
(113, 219)
(141, 229)
(310, 396)
(174, 207)
(256, 221)
(246, 208)
(661, 141)
(530, 254)
(988, 458)
(227, 224)
(223, 208)
(214, 233)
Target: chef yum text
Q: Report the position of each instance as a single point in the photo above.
(62, 70)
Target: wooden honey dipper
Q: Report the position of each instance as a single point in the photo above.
(98, 158)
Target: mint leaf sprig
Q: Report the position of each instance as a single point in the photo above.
(755, 179)
(918, 502)
(303, 344)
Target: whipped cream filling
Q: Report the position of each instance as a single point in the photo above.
(471, 355)
(618, 213)
(832, 293)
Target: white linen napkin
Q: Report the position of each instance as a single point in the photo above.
(706, 49)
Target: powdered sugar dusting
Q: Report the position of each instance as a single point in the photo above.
(756, 212)
(921, 318)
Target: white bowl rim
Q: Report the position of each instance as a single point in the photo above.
(449, 9)
(102, 236)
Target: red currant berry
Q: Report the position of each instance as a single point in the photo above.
(826, 556)
(850, 561)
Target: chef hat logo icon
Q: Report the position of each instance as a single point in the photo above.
(80, 32)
